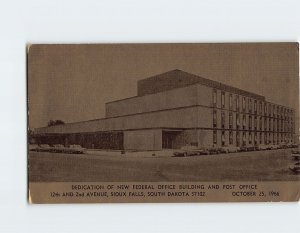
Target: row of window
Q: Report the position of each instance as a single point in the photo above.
(254, 106)
(253, 138)
(254, 122)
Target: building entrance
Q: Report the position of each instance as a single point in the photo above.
(171, 139)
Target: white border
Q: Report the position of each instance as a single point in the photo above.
(91, 21)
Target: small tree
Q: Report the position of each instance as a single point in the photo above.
(55, 122)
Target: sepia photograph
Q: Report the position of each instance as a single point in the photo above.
(150, 116)
(163, 112)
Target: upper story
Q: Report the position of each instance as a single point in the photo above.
(182, 104)
(177, 89)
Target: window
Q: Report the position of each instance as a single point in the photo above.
(269, 138)
(230, 120)
(260, 123)
(237, 103)
(230, 101)
(269, 109)
(255, 106)
(274, 111)
(215, 137)
(223, 120)
(223, 138)
(250, 105)
(265, 111)
(255, 123)
(250, 138)
(237, 138)
(230, 137)
(270, 124)
(237, 121)
(265, 138)
(250, 122)
(244, 104)
(260, 107)
(260, 138)
(244, 121)
(214, 118)
(215, 98)
(265, 123)
(194, 144)
(244, 139)
(274, 125)
(255, 138)
(223, 99)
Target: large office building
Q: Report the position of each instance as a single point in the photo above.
(176, 108)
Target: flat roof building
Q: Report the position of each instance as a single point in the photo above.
(174, 109)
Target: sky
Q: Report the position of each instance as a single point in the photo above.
(73, 82)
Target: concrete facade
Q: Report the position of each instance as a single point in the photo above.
(143, 139)
(175, 109)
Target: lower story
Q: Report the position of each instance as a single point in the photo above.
(158, 139)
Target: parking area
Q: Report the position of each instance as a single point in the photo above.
(270, 165)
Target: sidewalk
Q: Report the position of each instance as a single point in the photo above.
(142, 154)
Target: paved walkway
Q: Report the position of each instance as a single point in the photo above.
(144, 154)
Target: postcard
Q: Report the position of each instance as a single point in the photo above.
(170, 122)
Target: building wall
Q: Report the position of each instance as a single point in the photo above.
(177, 118)
(204, 117)
(143, 140)
(204, 95)
(176, 98)
(191, 109)
(205, 138)
(273, 122)
(177, 78)
(166, 81)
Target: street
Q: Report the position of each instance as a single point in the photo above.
(243, 166)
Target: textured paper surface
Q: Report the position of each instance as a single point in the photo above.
(163, 123)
